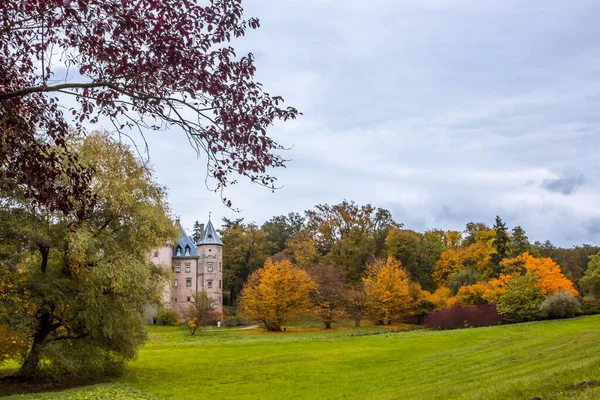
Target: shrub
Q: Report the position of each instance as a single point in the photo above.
(521, 301)
(590, 307)
(464, 277)
(463, 317)
(231, 322)
(561, 305)
(167, 316)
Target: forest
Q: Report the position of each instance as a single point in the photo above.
(355, 260)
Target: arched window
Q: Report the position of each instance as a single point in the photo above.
(187, 250)
(156, 254)
(178, 251)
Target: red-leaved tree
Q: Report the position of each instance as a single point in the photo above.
(141, 64)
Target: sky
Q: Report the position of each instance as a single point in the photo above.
(443, 112)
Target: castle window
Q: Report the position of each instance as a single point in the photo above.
(210, 267)
(209, 284)
(188, 282)
(178, 268)
(189, 299)
(219, 284)
(175, 299)
(187, 267)
(156, 254)
(187, 250)
(178, 251)
(219, 266)
(175, 284)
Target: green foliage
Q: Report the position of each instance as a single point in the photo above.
(521, 301)
(591, 280)
(431, 248)
(463, 277)
(590, 307)
(519, 243)
(560, 305)
(86, 279)
(247, 249)
(280, 229)
(349, 235)
(471, 230)
(167, 317)
(197, 232)
(500, 243)
(403, 245)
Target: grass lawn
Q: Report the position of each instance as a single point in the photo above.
(533, 360)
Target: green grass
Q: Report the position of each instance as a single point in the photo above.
(543, 359)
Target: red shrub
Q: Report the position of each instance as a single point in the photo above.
(463, 317)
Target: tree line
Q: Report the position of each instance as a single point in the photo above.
(356, 260)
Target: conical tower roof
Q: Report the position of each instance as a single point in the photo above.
(210, 235)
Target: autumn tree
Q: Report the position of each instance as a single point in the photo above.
(546, 272)
(475, 257)
(591, 280)
(387, 291)
(247, 249)
(349, 235)
(141, 65)
(330, 299)
(302, 249)
(275, 293)
(86, 283)
(471, 230)
(200, 311)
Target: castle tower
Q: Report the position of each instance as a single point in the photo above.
(184, 272)
(210, 265)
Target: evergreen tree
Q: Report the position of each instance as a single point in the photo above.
(197, 235)
(501, 244)
(519, 243)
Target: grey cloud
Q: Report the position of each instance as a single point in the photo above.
(443, 113)
(566, 186)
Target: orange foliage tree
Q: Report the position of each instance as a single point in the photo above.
(275, 293)
(387, 290)
(546, 272)
(475, 257)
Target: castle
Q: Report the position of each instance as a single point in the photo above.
(195, 267)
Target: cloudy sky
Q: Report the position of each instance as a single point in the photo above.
(442, 111)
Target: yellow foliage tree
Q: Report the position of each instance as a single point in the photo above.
(387, 290)
(472, 295)
(304, 249)
(276, 292)
(475, 257)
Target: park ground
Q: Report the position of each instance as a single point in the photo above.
(538, 360)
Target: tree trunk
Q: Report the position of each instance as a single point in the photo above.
(327, 325)
(30, 366)
(357, 318)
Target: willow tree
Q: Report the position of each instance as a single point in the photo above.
(79, 287)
